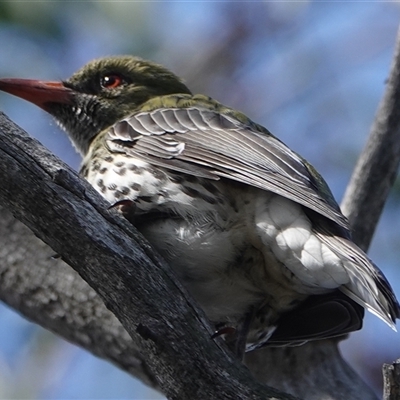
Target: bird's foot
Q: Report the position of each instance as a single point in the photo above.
(236, 338)
(127, 208)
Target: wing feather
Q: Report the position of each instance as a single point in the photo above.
(229, 148)
(170, 118)
(367, 285)
(161, 121)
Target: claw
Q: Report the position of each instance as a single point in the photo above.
(127, 208)
(236, 338)
(122, 203)
(226, 330)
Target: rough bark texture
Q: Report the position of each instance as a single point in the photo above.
(313, 371)
(391, 381)
(50, 293)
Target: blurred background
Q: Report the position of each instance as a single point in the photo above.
(311, 72)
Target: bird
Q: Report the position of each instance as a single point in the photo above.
(249, 226)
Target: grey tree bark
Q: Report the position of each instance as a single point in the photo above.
(391, 381)
(151, 328)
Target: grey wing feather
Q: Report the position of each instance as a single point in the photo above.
(367, 285)
(222, 146)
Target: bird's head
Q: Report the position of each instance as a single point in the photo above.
(98, 95)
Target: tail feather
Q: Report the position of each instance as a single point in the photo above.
(319, 317)
(367, 286)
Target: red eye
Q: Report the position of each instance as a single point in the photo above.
(111, 81)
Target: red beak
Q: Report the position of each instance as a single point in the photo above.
(38, 92)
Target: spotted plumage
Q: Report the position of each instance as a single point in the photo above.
(250, 227)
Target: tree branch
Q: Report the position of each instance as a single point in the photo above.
(170, 331)
(391, 381)
(50, 293)
(313, 371)
(378, 163)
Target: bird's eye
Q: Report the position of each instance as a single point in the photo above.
(111, 81)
